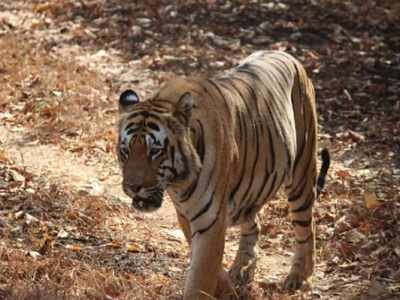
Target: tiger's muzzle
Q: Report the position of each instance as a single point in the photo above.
(150, 203)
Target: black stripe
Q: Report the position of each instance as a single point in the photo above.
(301, 223)
(218, 88)
(237, 216)
(304, 176)
(272, 151)
(296, 196)
(250, 234)
(204, 209)
(300, 153)
(185, 172)
(249, 74)
(159, 111)
(188, 193)
(172, 151)
(173, 171)
(271, 154)
(123, 154)
(254, 96)
(153, 137)
(306, 205)
(200, 143)
(132, 130)
(305, 240)
(272, 185)
(143, 113)
(252, 174)
(203, 230)
(153, 126)
(244, 143)
(134, 115)
(166, 144)
(252, 231)
(127, 127)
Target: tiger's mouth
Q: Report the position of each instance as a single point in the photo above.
(150, 203)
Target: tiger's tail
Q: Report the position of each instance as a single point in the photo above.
(326, 161)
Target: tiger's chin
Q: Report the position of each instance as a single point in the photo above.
(149, 204)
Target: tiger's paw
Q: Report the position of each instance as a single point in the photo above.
(243, 273)
(293, 281)
(225, 288)
(302, 268)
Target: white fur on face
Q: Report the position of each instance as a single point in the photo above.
(160, 137)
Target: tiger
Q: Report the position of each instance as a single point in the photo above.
(221, 147)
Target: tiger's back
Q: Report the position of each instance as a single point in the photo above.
(260, 107)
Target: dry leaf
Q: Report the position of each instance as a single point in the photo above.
(356, 136)
(75, 248)
(113, 244)
(343, 174)
(35, 23)
(133, 247)
(370, 200)
(3, 156)
(17, 176)
(43, 7)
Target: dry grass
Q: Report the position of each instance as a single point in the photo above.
(61, 101)
(59, 245)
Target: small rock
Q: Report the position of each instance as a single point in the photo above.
(17, 176)
(342, 225)
(136, 31)
(397, 251)
(34, 254)
(174, 234)
(62, 234)
(144, 22)
(262, 40)
(29, 219)
(19, 214)
(265, 25)
(217, 64)
(355, 237)
(30, 190)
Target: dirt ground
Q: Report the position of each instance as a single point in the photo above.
(66, 229)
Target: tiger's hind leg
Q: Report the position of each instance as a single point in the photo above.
(244, 265)
(301, 200)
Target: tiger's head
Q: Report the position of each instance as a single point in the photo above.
(154, 147)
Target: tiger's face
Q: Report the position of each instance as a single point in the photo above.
(152, 147)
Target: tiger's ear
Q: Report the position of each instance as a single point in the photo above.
(183, 109)
(127, 100)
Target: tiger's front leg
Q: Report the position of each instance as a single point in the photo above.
(206, 273)
(243, 268)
